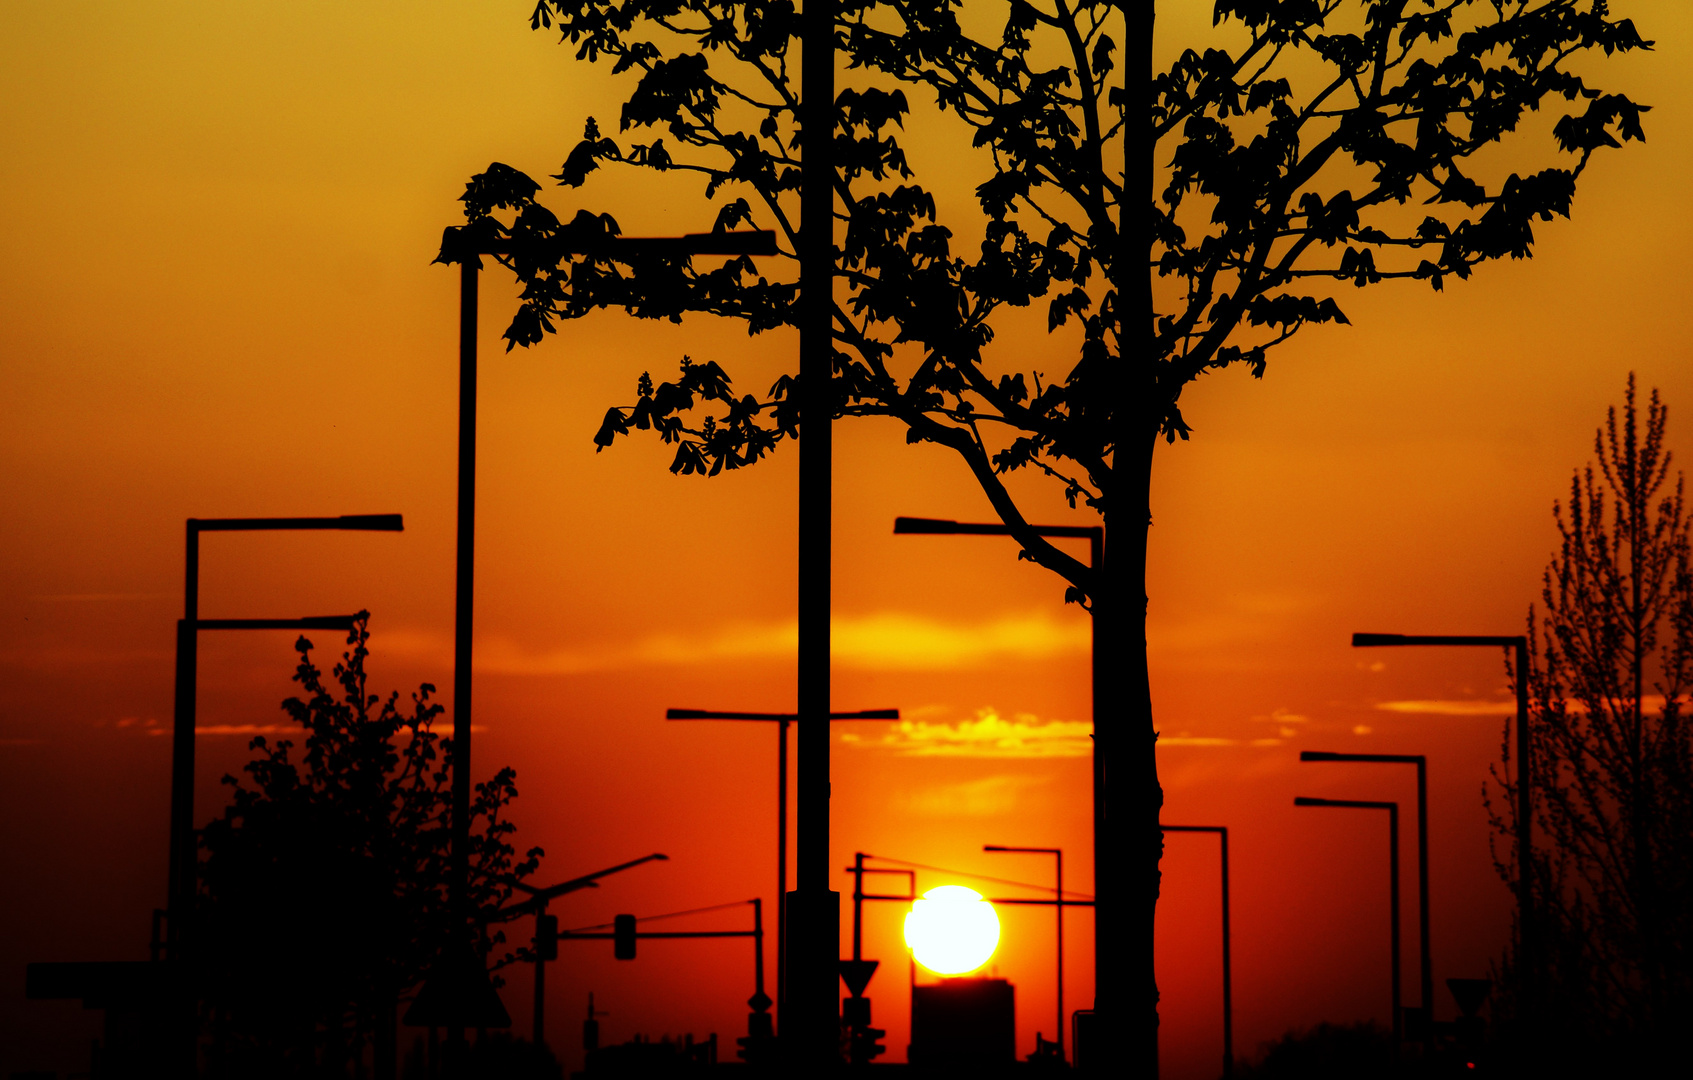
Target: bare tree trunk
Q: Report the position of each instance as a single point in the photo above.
(1130, 843)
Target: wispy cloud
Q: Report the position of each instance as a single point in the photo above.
(267, 729)
(1451, 708)
(102, 597)
(885, 641)
(974, 798)
(987, 736)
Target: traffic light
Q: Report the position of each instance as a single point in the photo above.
(623, 937)
(546, 937)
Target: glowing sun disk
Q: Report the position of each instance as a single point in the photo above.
(952, 930)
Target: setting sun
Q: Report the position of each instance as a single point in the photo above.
(952, 930)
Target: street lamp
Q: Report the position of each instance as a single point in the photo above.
(1425, 968)
(182, 862)
(781, 720)
(1058, 894)
(1518, 644)
(1095, 536)
(1222, 832)
(1392, 809)
(466, 247)
(180, 885)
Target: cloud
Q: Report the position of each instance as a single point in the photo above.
(241, 729)
(102, 597)
(884, 641)
(987, 736)
(1451, 708)
(975, 798)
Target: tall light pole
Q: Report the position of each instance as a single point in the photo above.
(1392, 809)
(1095, 536)
(1425, 967)
(466, 247)
(1058, 894)
(781, 720)
(1518, 644)
(1222, 832)
(183, 860)
(814, 911)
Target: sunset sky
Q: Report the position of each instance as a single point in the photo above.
(216, 299)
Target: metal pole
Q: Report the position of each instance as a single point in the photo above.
(858, 905)
(1393, 889)
(1228, 974)
(540, 1020)
(463, 610)
(1058, 894)
(1425, 971)
(1526, 942)
(817, 936)
(183, 856)
(1392, 809)
(781, 868)
(180, 886)
(758, 948)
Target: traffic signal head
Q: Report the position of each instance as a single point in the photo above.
(623, 937)
(546, 937)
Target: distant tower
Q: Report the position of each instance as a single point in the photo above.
(591, 1027)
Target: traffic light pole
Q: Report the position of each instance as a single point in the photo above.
(546, 926)
(782, 720)
(624, 936)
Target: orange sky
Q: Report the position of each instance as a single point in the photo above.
(215, 300)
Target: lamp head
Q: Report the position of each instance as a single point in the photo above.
(1364, 641)
(1318, 755)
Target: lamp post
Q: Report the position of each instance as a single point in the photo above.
(1095, 536)
(781, 720)
(1228, 975)
(183, 864)
(182, 861)
(537, 902)
(1518, 644)
(1058, 894)
(459, 244)
(1425, 968)
(1392, 809)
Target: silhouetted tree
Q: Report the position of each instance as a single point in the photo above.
(324, 882)
(1611, 669)
(1276, 158)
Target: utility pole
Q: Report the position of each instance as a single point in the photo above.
(814, 915)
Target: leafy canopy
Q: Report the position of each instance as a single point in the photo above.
(1315, 141)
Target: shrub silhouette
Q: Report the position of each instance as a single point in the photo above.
(324, 883)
